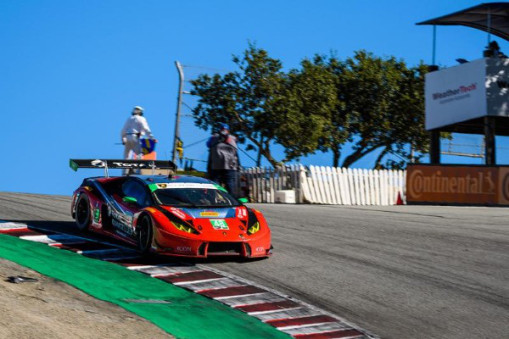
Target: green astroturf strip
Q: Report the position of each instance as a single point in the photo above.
(188, 315)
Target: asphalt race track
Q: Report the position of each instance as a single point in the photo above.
(398, 272)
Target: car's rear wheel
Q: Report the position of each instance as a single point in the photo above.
(82, 214)
(145, 234)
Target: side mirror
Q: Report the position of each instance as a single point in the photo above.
(243, 200)
(129, 200)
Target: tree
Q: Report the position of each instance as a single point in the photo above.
(337, 132)
(265, 105)
(382, 105)
(244, 99)
(307, 105)
(375, 103)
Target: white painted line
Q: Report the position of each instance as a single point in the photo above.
(287, 314)
(255, 314)
(259, 298)
(10, 225)
(313, 328)
(158, 271)
(236, 296)
(180, 283)
(54, 239)
(214, 285)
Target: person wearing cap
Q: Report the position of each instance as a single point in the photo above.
(223, 162)
(135, 127)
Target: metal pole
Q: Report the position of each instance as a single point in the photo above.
(489, 26)
(179, 104)
(434, 148)
(489, 138)
(434, 44)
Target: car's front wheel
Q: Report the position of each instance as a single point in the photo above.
(82, 214)
(145, 234)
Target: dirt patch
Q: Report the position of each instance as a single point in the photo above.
(49, 308)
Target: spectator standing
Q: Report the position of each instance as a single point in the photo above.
(223, 162)
(135, 127)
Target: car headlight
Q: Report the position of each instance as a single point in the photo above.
(254, 228)
(184, 228)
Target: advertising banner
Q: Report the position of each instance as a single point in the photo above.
(455, 94)
(467, 185)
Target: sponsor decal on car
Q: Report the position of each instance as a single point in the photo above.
(209, 214)
(219, 224)
(178, 213)
(221, 188)
(185, 185)
(122, 222)
(183, 249)
(241, 213)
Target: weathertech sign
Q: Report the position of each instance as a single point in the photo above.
(475, 185)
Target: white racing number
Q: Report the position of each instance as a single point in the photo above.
(219, 224)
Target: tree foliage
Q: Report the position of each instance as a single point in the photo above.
(373, 103)
(265, 105)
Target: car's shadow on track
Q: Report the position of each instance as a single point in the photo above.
(69, 227)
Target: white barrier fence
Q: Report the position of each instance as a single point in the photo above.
(326, 185)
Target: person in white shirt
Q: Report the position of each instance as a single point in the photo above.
(134, 128)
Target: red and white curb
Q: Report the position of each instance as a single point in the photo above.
(287, 314)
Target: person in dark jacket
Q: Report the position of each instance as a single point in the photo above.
(223, 162)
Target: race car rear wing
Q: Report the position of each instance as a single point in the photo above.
(122, 164)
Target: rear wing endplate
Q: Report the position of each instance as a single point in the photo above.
(121, 164)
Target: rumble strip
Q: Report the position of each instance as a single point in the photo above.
(289, 315)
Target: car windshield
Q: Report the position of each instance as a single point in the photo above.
(195, 197)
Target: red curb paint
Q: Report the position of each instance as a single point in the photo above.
(21, 232)
(13, 230)
(280, 305)
(231, 291)
(211, 293)
(316, 319)
(350, 333)
(191, 276)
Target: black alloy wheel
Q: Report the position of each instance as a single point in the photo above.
(145, 234)
(82, 214)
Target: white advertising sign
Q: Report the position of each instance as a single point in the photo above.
(455, 94)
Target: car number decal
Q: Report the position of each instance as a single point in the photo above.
(219, 224)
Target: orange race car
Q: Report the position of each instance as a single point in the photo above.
(175, 215)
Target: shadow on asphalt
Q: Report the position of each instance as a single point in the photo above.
(69, 227)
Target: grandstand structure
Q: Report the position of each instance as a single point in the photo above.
(472, 97)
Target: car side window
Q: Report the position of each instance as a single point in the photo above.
(135, 189)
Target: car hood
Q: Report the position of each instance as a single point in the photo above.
(228, 222)
(208, 213)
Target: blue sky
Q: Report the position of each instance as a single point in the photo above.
(71, 71)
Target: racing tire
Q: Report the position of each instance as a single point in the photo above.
(145, 235)
(82, 214)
